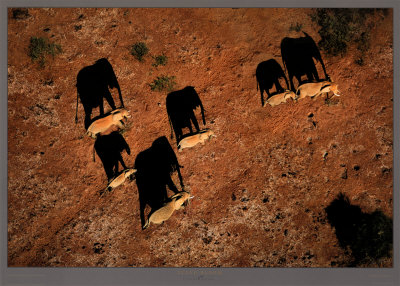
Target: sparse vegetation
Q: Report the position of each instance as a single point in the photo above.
(20, 13)
(341, 27)
(139, 50)
(163, 83)
(296, 27)
(40, 47)
(373, 238)
(160, 61)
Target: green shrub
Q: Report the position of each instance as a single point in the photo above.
(341, 27)
(163, 83)
(40, 47)
(139, 50)
(160, 61)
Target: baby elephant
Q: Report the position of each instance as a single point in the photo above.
(280, 98)
(314, 89)
(166, 211)
(193, 140)
(103, 124)
(119, 180)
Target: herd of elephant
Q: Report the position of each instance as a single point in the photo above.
(154, 166)
(298, 55)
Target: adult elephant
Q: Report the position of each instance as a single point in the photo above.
(93, 83)
(155, 166)
(298, 56)
(268, 73)
(180, 108)
(109, 148)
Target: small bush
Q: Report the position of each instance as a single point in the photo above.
(163, 83)
(296, 27)
(40, 47)
(160, 61)
(20, 13)
(139, 50)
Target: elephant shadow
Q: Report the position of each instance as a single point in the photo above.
(298, 55)
(368, 235)
(155, 166)
(93, 83)
(109, 149)
(268, 74)
(180, 109)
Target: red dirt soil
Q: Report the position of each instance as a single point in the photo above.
(260, 187)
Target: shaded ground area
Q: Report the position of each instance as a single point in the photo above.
(261, 186)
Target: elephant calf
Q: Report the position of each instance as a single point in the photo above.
(280, 98)
(165, 212)
(120, 179)
(193, 140)
(314, 89)
(103, 124)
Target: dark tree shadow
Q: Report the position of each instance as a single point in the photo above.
(268, 74)
(298, 56)
(109, 149)
(93, 83)
(155, 166)
(180, 108)
(369, 236)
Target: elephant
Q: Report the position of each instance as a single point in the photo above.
(268, 74)
(109, 149)
(93, 83)
(298, 56)
(180, 105)
(154, 168)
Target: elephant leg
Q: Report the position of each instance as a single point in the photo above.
(278, 86)
(109, 172)
(101, 108)
(291, 83)
(88, 113)
(122, 162)
(115, 167)
(142, 207)
(171, 185)
(195, 123)
(298, 77)
(178, 134)
(190, 127)
(268, 93)
(109, 99)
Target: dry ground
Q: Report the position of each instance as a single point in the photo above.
(260, 187)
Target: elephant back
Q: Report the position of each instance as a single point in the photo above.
(106, 73)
